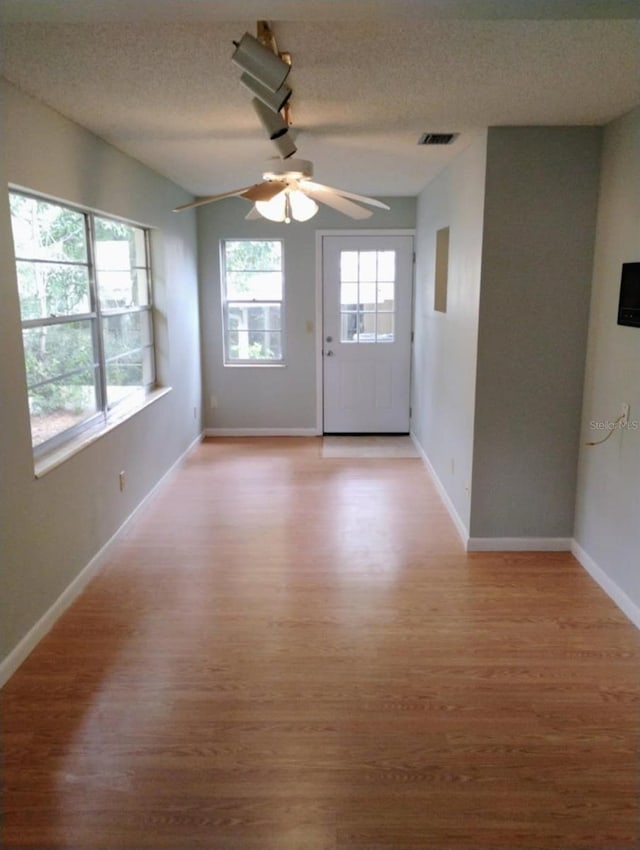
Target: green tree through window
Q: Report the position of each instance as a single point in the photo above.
(83, 283)
(253, 290)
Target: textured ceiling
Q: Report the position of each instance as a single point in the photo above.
(165, 90)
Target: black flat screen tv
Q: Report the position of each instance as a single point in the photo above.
(629, 305)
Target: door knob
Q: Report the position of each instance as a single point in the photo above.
(329, 339)
(329, 353)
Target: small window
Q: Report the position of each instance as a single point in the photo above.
(84, 288)
(252, 301)
(367, 296)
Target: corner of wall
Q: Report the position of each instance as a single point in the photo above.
(607, 531)
(539, 225)
(445, 343)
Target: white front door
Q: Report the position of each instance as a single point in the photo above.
(367, 292)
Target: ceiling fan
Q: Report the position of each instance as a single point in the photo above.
(288, 192)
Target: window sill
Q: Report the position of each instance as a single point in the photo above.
(255, 365)
(59, 455)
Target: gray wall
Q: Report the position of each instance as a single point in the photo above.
(444, 364)
(539, 227)
(52, 527)
(263, 397)
(608, 505)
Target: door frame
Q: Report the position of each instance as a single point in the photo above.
(362, 231)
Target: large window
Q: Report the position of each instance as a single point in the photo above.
(252, 301)
(84, 287)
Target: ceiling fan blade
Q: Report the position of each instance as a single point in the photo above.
(264, 191)
(362, 198)
(337, 202)
(209, 199)
(252, 215)
(257, 192)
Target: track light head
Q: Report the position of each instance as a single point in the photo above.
(285, 145)
(275, 100)
(260, 63)
(272, 121)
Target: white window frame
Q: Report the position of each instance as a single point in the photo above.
(104, 415)
(257, 362)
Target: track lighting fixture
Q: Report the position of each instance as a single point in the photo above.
(275, 100)
(260, 63)
(285, 145)
(272, 121)
(265, 71)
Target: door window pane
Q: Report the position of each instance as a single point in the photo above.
(367, 292)
(386, 297)
(368, 265)
(367, 327)
(386, 265)
(385, 327)
(367, 300)
(349, 266)
(349, 327)
(349, 295)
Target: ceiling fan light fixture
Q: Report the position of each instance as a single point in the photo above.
(302, 206)
(258, 61)
(272, 121)
(275, 209)
(295, 169)
(275, 100)
(287, 205)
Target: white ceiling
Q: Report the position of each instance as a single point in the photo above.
(155, 78)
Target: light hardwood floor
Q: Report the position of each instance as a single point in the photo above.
(288, 652)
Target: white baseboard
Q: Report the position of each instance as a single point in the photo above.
(490, 544)
(519, 544)
(453, 513)
(624, 602)
(25, 647)
(261, 432)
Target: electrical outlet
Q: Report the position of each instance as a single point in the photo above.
(624, 415)
(213, 402)
(122, 480)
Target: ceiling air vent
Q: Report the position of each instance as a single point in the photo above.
(437, 138)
